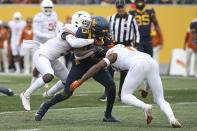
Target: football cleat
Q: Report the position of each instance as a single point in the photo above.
(110, 119)
(147, 112)
(175, 124)
(103, 98)
(41, 112)
(25, 102)
(46, 95)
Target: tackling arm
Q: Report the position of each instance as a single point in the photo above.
(94, 69)
(78, 42)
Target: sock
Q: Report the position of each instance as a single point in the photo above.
(56, 99)
(17, 65)
(110, 100)
(36, 85)
(166, 108)
(57, 87)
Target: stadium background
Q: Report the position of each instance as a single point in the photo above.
(173, 20)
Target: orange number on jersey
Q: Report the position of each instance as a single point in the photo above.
(52, 26)
(142, 20)
(130, 48)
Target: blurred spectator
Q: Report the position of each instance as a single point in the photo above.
(157, 41)
(4, 35)
(106, 2)
(191, 48)
(16, 26)
(27, 34)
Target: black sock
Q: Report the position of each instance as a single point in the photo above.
(111, 92)
(56, 99)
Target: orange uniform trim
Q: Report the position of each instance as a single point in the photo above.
(3, 36)
(27, 34)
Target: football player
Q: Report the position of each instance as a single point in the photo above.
(44, 26)
(46, 61)
(140, 66)
(16, 26)
(193, 28)
(99, 30)
(144, 18)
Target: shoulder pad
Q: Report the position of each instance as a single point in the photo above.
(83, 32)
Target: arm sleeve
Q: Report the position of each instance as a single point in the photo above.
(136, 31)
(78, 42)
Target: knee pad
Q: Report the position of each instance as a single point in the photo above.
(48, 77)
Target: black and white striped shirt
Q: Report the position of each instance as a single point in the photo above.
(124, 29)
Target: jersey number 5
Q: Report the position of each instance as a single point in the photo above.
(142, 20)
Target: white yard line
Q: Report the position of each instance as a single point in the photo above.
(28, 130)
(76, 108)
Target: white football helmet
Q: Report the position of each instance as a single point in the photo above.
(17, 16)
(47, 7)
(81, 18)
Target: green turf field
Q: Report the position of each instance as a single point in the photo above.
(83, 112)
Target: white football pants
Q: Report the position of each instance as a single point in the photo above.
(45, 66)
(145, 69)
(3, 55)
(189, 53)
(156, 51)
(28, 62)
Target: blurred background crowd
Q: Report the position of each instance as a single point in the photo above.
(102, 2)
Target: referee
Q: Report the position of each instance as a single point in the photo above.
(124, 30)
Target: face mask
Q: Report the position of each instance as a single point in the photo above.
(140, 5)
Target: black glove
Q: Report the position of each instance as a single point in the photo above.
(100, 51)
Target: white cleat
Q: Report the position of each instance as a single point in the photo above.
(147, 112)
(175, 124)
(46, 95)
(25, 102)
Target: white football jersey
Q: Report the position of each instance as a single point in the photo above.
(16, 30)
(127, 57)
(56, 47)
(44, 26)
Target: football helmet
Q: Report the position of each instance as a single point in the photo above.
(47, 7)
(100, 26)
(140, 4)
(17, 16)
(81, 18)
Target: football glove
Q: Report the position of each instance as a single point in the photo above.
(144, 93)
(74, 85)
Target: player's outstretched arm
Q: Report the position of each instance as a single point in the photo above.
(94, 69)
